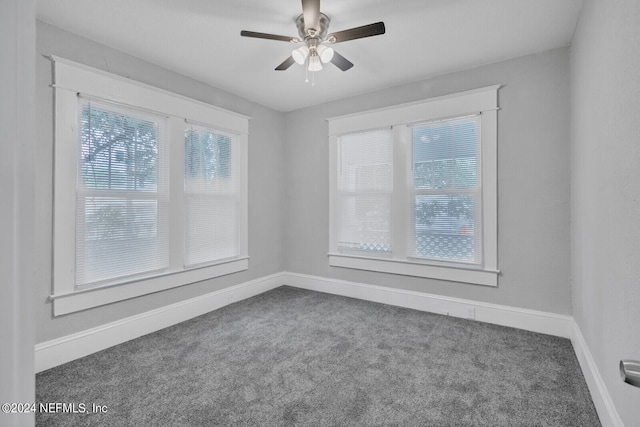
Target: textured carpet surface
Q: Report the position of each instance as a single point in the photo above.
(293, 357)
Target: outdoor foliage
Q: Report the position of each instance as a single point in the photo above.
(207, 155)
(119, 152)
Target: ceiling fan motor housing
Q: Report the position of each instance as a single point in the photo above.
(313, 33)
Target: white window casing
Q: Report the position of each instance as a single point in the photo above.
(75, 83)
(481, 106)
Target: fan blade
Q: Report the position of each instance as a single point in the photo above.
(357, 33)
(311, 13)
(286, 64)
(267, 36)
(341, 62)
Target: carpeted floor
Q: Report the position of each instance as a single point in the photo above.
(292, 357)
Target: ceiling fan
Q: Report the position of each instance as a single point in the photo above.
(312, 28)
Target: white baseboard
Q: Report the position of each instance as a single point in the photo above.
(65, 349)
(607, 412)
(62, 350)
(530, 320)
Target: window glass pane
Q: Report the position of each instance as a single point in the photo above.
(211, 197)
(118, 219)
(121, 239)
(365, 183)
(364, 222)
(445, 153)
(118, 151)
(207, 157)
(445, 227)
(122, 208)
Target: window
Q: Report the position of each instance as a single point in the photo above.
(414, 189)
(122, 196)
(210, 182)
(149, 189)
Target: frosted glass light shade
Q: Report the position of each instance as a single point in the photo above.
(314, 63)
(300, 54)
(325, 53)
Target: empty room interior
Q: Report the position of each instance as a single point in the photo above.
(320, 213)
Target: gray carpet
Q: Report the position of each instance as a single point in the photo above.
(292, 357)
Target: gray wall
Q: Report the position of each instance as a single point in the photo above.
(533, 162)
(605, 203)
(266, 205)
(288, 181)
(17, 151)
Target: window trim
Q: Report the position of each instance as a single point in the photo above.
(71, 79)
(483, 101)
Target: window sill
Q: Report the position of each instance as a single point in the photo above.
(89, 298)
(474, 276)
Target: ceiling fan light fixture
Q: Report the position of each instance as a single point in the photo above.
(314, 63)
(300, 54)
(325, 53)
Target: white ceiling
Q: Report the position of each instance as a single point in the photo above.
(201, 39)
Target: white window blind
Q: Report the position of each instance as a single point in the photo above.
(211, 196)
(446, 191)
(122, 194)
(365, 185)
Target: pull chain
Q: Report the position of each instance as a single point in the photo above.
(306, 70)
